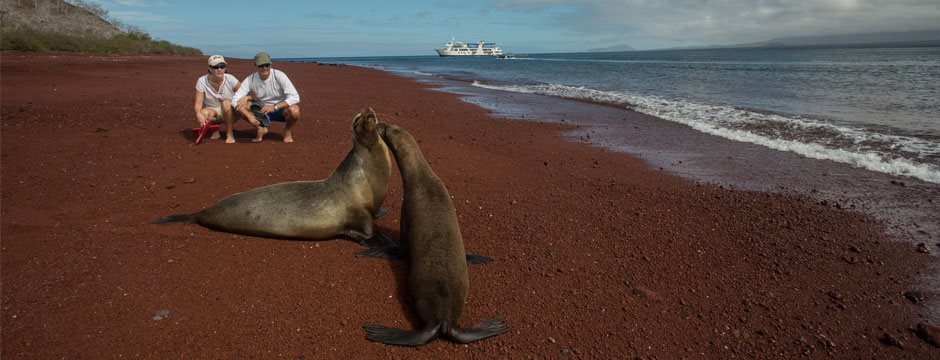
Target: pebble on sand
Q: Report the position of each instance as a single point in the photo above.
(160, 314)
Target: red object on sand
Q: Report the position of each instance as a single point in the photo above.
(208, 128)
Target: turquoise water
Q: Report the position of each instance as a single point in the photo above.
(875, 108)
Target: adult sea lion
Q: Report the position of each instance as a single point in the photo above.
(437, 279)
(345, 203)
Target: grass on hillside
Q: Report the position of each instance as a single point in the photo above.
(124, 43)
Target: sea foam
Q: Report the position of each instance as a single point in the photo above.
(808, 137)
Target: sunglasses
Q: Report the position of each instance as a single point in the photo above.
(262, 66)
(219, 66)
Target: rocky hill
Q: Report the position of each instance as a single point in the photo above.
(74, 26)
(56, 16)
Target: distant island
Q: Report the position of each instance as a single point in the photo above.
(615, 48)
(903, 38)
(882, 39)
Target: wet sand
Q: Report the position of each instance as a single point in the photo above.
(597, 253)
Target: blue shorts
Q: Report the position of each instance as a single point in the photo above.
(273, 115)
(277, 115)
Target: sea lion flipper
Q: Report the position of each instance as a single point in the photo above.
(387, 335)
(360, 227)
(491, 327)
(379, 213)
(384, 239)
(474, 259)
(390, 252)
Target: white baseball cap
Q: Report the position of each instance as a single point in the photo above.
(216, 60)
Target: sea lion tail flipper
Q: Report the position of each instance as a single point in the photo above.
(184, 218)
(390, 252)
(378, 213)
(491, 327)
(387, 335)
(384, 239)
(474, 259)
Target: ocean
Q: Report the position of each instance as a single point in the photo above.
(857, 127)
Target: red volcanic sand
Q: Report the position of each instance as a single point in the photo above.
(597, 254)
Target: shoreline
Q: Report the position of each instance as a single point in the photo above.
(642, 262)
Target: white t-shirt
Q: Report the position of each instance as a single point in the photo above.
(275, 89)
(214, 97)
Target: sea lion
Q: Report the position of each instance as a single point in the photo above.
(345, 203)
(437, 279)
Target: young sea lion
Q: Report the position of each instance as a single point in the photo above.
(437, 280)
(345, 203)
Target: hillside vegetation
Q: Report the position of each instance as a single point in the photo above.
(74, 26)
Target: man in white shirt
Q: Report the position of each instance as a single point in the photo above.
(274, 93)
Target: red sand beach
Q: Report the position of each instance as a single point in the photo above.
(597, 254)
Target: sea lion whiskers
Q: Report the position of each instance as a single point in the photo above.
(394, 117)
(365, 127)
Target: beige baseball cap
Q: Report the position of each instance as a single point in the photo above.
(216, 60)
(262, 58)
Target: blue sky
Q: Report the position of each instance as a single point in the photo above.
(389, 28)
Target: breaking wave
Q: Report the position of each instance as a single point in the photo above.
(814, 138)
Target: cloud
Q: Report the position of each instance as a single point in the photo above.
(691, 22)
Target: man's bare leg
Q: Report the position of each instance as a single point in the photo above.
(292, 115)
(261, 130)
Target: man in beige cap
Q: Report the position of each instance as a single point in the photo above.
(274, 99)
(214, 93)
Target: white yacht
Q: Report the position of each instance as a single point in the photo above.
(457, 48)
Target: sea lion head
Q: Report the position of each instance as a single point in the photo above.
(383, 127)
(393, 135)
(401, 144)
(365, 127)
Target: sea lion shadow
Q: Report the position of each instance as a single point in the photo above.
(269, 236)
